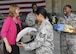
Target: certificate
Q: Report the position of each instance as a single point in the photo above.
(24, 32)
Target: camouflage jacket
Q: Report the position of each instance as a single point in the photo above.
(43, 42)
(71, 20)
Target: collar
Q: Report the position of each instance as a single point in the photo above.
(69, 16)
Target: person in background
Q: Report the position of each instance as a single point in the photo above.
(31, 21)
(31, 17)
(68, 40)
(11, 27)
(43, 42)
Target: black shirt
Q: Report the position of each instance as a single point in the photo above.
(18, 28)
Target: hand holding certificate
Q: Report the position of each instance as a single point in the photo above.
(64, 28)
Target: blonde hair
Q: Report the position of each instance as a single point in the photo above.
(12, 10)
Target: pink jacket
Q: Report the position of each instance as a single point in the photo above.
(9, 30)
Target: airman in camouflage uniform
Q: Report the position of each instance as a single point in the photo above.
(43, 42)
(68, 40)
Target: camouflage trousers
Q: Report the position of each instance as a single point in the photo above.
(67, 43)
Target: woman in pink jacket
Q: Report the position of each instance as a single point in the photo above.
(10, 29)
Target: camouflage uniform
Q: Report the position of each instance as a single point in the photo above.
(68, 40)
(43, 42)
(31, 20)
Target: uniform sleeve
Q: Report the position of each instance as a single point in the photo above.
(39, 41)
(30, 21)
(33, 33)
(61, 20)
(5, 27)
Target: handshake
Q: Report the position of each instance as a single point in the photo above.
(23, 34)
(20, 43)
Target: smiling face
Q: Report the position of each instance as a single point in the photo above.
(66, 10)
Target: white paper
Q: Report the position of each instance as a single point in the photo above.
(23, 32)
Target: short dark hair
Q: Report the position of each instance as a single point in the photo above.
(68, 6)
(41, 11)
(34, 4)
